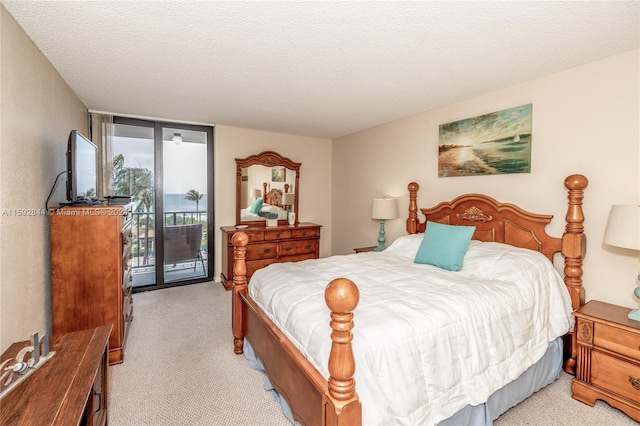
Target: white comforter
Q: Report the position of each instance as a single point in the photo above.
(427, 341)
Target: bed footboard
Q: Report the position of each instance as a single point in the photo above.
(312, 399)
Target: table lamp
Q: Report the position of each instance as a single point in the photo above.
(623, 230)
(288, 200)
(383, 209)
(256, 193)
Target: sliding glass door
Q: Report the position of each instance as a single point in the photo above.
(185, 207)
(167, 169)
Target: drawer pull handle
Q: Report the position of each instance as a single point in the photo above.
(635, 382)
(308, 246)
(288, 248)
(267, 250)
(249, 237)
(278, 235)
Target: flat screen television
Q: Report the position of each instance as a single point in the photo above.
(82, 169)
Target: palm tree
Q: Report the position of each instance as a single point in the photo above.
(193, 195)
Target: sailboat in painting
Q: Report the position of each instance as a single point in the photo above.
(516, 138)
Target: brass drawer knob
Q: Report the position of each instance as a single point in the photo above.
(635, 382)
(267, 250)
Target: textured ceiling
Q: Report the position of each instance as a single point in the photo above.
(321, 69)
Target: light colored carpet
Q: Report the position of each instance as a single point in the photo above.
(180, 369)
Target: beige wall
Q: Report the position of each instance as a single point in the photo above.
(38, 111)
(315, 176)
(585, 120)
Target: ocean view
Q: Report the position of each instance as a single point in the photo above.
(177, 203)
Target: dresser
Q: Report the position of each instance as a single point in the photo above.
(91, 275)
(69, 389)
(608, 366)
(270, 245)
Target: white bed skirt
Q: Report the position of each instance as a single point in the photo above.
(539, 375)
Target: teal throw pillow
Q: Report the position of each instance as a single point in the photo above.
(256, 206)
(444, 246)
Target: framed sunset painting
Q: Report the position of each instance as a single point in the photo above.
(489, 144)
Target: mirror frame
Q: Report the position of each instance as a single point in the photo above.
(267, 159)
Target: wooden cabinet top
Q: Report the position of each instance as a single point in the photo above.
(56, 393)
(608, 313)
(270, 228)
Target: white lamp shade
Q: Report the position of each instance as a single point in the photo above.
(288, 199)
(384, 208)
(623, 227)
(256, 193)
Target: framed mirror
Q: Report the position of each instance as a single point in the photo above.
(267, 187)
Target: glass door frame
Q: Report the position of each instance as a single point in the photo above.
(158, 127)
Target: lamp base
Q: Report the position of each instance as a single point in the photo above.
(381, 237)
(634, 315)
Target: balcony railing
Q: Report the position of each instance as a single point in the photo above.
(144, 234)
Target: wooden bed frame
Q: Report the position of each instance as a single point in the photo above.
(316, 401)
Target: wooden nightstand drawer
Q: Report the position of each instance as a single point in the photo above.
(616, 340)
(608, 363)
(615, 375)
(262, 251)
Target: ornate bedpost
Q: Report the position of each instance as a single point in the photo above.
(342, 407)
(240, 240)
(574, 248)
(412, 220)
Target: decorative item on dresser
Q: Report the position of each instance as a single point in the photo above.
(270, 245)
(623, 230)
(91, 275)
(608, 357)
(70, 389)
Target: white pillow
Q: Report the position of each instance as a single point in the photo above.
(406, 245)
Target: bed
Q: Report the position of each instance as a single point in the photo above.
(271, 202)
(316, 373)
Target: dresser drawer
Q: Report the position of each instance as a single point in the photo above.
(254, 236)
(291, 248)
(127, 280)
(615, 375)
(254, 265)
(298, 257)
(262, 251)
(279, 234)
(617, 340)
(305, 232)
(126, 299)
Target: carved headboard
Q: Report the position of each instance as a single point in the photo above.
(494, 221)
(273, 197)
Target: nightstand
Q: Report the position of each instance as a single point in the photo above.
(608, 365)
(364, 249)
